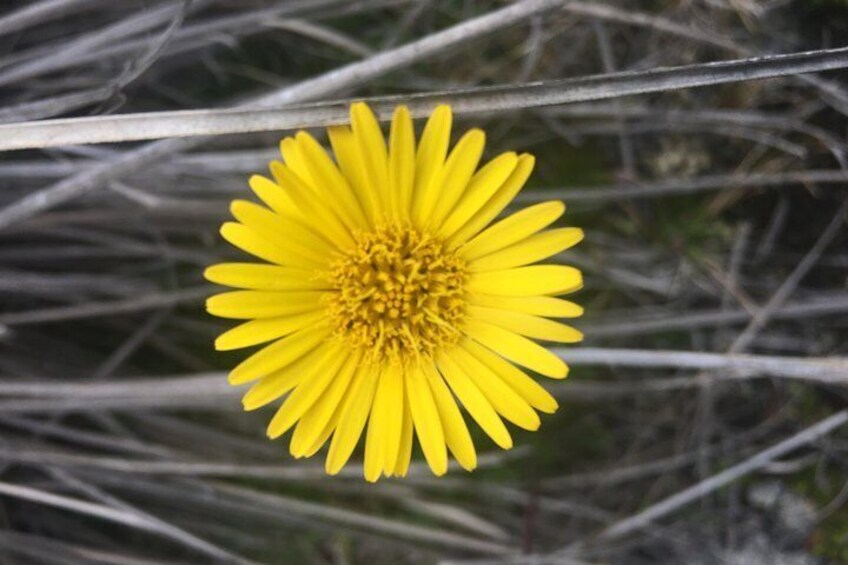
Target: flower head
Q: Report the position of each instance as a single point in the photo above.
(389, 300)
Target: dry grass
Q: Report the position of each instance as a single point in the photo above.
(714, 202)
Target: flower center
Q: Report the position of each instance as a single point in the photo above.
(399, 294)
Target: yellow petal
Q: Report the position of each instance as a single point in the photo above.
(452, 179)
(246, 304)
(405, 452)
(263, 330)
(512, 229)
(482, 186)
(527, 281)
(428, 424)
(306, 394)
(279, 383)
(518, 380)
(251, 242)
(294, 160)
(517, 349)
(474, 401)
(314, 422)
(347, 157)
(534, 248)
(503, 399)
(357, 406)
(387, 416)
(372, 467)
(289, 236)
(495, 205)
(330, 183)
(526, 324)
(271, 388)
(547, 306)
(278, 355)
(373, 154)
(319, 214)
(457, 437)
(401, 162)
(274, 197)
(328, 430)
(431, 154)
(258, 276)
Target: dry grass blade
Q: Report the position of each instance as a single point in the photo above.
(155, 387)
(80, 506)
(275, 503)
(694, 319)
(678, 186)
(828, 370)
(72, 131)
(40, 12)
(790, 284)
(106, 308)
(209, 389)
(160, 526)
(698, 491)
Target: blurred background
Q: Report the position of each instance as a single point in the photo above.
(703, 418)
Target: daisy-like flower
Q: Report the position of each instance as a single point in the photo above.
(387, 297)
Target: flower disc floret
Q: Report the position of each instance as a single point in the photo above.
(400, 295)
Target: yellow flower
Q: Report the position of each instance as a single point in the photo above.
(388, 298)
